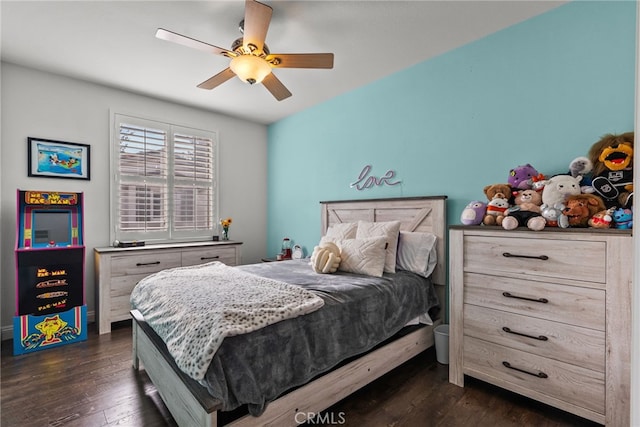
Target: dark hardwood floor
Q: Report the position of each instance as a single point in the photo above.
(92, 384)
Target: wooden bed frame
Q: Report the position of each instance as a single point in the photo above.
(191, 405)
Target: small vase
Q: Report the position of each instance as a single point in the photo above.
(225, 233)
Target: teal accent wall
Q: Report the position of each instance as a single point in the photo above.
(540, 92)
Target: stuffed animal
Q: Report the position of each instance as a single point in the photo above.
(526, 212)
(538, 182)
(612, 159)
(558, 188)
(325, 258)
(496, 209)
(581, 207)
(580, 166)
(498, 196)
(553, 215)
(473, 213)
(602, 219)
(521, 177)
(623, 218)
(502, 191)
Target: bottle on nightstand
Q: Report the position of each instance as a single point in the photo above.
(286, 248)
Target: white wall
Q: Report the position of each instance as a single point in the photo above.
(39, 104)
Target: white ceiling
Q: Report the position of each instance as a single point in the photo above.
(113, 43)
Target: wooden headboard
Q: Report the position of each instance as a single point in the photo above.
(424, 214)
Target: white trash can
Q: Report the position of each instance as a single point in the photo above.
(441, 338)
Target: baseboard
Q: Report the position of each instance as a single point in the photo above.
(7, 331)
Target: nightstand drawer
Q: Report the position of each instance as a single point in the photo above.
(572, 260)
(143, 263)
(226, 255)
(573, 305)
(534, 375)
(571, 344)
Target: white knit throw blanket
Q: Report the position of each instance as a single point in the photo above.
(194, 308)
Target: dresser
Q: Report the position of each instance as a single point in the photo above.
(117, 270)
(544, 314)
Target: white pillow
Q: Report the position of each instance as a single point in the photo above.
(363, 256)
(417, 252)
(390, 231)
(342, 230)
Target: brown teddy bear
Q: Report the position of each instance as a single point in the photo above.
(581, 207)
(498, 197)
(612, 158)
(526, 212)
(497, 190)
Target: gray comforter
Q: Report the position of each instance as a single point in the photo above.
(220, 302)
(359, 313)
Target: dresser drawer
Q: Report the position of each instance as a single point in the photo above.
(563, 381)
(571, 344)
(567, 259)
(573, 305)
(123, 285)
(203, 255)
(120, 308)
(120, 295)
(134, 264)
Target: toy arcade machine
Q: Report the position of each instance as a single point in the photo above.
(50, 303)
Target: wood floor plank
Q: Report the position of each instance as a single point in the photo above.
(92, 384)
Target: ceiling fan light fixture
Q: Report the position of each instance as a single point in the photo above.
(250, 68)
(249, 56)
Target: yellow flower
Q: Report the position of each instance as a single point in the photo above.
(226, 222)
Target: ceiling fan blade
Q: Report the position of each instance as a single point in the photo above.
(192, 43)
(217, 80)
(300, 60)
(257, 17)
(275, 86)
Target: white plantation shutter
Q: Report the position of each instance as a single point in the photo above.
(165, 181)
(142, 186)
(193, 181)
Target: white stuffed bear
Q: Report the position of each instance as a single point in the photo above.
(325, 258)
(554, 216)
(559, 187)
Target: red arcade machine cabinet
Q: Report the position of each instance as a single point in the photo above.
(50, 302)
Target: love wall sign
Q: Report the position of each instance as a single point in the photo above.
(366, 180)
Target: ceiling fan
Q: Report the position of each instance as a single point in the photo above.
(251, 60)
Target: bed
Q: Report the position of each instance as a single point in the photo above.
(190, 401)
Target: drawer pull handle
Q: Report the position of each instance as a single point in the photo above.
(203, 258)
(510, 255)
(140, 264)
(538, 374)
(539, 337)
(509, 295)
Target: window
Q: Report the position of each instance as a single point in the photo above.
(165, 181)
